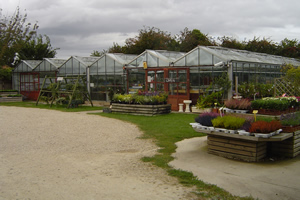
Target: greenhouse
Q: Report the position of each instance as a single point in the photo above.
(106, 75)
(24, 79)
(191, 75)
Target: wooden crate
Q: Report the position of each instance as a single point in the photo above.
(250, 151)
(288, 148)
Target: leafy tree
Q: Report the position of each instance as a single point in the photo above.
(14, 32)
(98, 53)
(262, 46)
(230, 42)
(191, 39)
(149, 38)
(5, 73)
(37, 49)
(289, 48)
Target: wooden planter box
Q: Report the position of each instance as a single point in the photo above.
(288, 148)
(148, 110)
(11, 99)
(245, 148)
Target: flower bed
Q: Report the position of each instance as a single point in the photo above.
(141, 103)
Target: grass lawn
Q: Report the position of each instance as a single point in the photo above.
(166, 130)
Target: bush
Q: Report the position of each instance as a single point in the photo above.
(205, 118)
(272, 103)
(243, 104)
(291, 119)
(228, 122)
(141, 98)
(264, 127)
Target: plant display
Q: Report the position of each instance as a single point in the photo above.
(264, 127)
(291, 119)
(279, 103)
(209, 100)
(205, 118)
(228, 122)
(251, 90)
(243, 104)
(142, 98)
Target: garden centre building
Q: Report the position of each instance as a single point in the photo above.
(183, 76)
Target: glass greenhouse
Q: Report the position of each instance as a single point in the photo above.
(187, 76)
(184, 76)
(24, 80)
(106, 75)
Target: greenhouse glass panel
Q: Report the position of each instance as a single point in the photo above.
(75, 67)
(180, 62)
(192, 59)
(118, 68)
(110, 65)
(205, 58)
(152, 61)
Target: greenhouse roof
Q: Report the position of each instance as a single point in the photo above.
(220, 54)
(49, 64)
(87, 61)
(27, 65)
(155, 58)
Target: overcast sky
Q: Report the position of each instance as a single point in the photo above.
(78, 27)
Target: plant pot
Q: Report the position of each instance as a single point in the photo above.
(230, 131)
(243, 132)
(290, 129)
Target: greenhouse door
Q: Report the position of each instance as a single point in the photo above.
(29, 85)
(177, 81)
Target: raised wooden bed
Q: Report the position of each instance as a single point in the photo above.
(246, 148)
(288, 148)
(11, 99)
(148, 110)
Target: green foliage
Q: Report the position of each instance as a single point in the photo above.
(37, 49)
(5, 73)
(259, 90)
(153, 99)
(280, 103)
(293, 75)
(18, 36)
(291, 119)
(228, 122)
(209, 100)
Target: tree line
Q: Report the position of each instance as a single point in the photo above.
(156, 39)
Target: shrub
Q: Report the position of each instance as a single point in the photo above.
(271, 103)
(291, 119)
(228, 122)
(141, 98)
(264, 127)
(205, 118)
(243, 104)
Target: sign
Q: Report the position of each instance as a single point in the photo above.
(171, 80)
(145, 65)
(60, 78)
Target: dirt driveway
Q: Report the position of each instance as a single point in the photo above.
(46, 154)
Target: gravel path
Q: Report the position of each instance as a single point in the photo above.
(46, 154)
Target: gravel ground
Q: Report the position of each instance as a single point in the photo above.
(46, 154)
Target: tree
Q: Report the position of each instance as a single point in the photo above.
(289, 48)
(230, 42)
(262, 46)
(37, 49)
(190, 39)
(14, 32)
